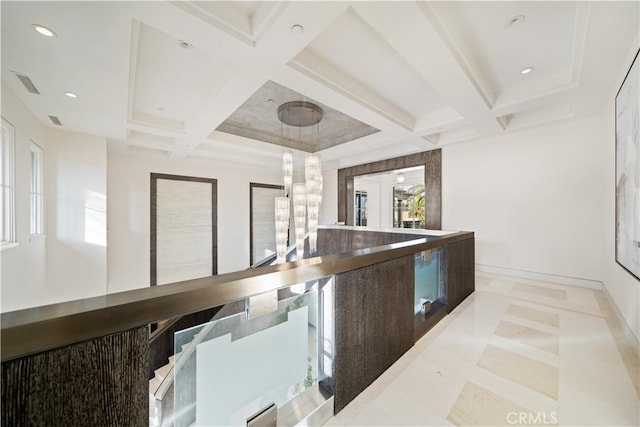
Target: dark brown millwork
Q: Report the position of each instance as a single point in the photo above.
(374, 311)
(432, 162)
(86, 362)
(98, 382)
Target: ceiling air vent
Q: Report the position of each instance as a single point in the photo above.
(55, 120)
(28, 84)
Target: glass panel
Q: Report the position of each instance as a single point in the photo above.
(429, 290)
(230, 369)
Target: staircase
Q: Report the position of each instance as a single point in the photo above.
(161, 386)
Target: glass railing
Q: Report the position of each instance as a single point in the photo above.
(273, 360)
(275, 350)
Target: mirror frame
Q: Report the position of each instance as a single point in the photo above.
(432, 162)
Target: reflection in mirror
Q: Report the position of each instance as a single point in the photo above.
(391, 199)
(408, 206)
(361, 208)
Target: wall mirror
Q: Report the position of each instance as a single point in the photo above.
(392, 199)
(418, 203)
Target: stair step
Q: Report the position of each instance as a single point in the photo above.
(162, 372)
(154, 383)
(172, 360)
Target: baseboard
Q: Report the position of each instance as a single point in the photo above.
(542, 277)
(626, 329)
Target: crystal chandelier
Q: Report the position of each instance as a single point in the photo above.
(307, 196)
(282, 228)
(313, 181)
(299, 216)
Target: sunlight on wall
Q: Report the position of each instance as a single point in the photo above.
(95, 218)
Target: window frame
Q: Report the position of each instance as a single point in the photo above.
(8, 232)
(36, 191)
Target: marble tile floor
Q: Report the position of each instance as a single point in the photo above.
(517, 352)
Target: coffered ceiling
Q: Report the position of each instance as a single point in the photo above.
(204, 79)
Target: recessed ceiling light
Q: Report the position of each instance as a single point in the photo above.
(47, 32)
(526, 70)
(297, 29)
(516, 20)
(71, 94)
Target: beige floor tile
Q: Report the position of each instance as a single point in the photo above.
(540, 291)
(523, 396)
(523, 370)
(528, 336)
(595, 386)
(477, 406)
(540, 316)
(525, 350)
(625, 348)
(536, 352)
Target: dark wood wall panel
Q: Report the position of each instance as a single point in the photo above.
(331, 241)
(94, 383)
(433, 190)
(374, 311)
(460, 271)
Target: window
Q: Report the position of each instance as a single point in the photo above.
(36, 193)
(361, 208)
(408, 206)
(7, 186)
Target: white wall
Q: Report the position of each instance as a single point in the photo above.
(69, 262)
(23, 267)
(374, 204)
(329, 206)
(76, 179)
(622, 286)
(129, 212)
(533, 198)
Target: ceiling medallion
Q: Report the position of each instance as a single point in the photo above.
(299, 113)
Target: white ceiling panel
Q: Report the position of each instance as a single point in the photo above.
(173, 78)
(355, 49)
(544, 40)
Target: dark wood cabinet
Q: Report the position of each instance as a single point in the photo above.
(460, 272)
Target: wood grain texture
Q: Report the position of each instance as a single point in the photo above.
(374, 324)
(101, 382)
(331, 241)
(460, 271)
